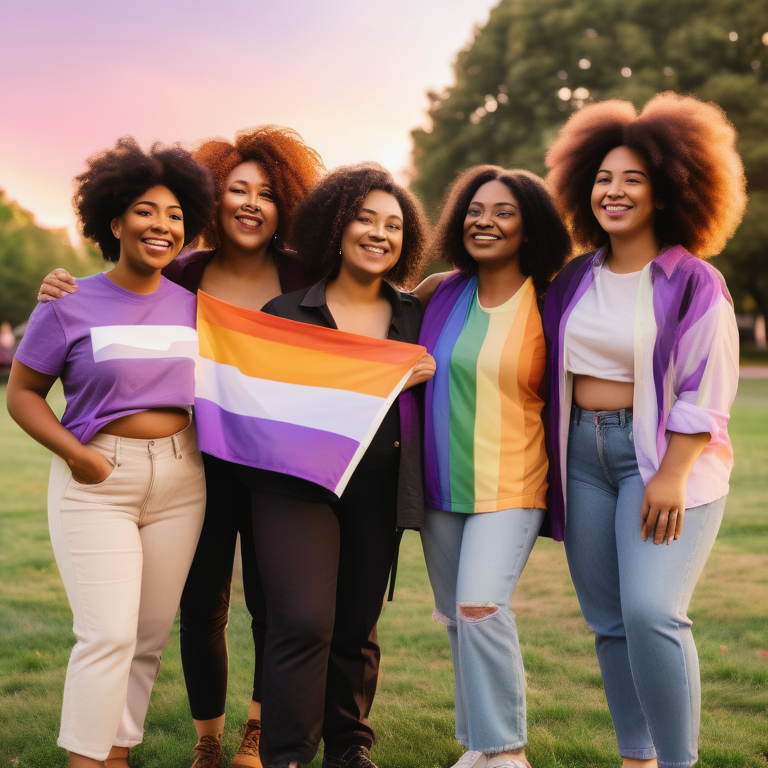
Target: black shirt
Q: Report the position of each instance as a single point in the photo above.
(310, 306)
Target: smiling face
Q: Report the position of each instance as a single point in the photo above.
(151, 231)
(371, 243)
(622, 195)
(248, 214)
(493, 226)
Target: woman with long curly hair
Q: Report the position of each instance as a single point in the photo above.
(324, 560)
(643, 364)
(124, 513)
(485, 458)
(260, 181)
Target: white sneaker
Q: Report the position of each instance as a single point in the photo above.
(504, 761)
(471, 759)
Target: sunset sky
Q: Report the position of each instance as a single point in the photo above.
(349, 76)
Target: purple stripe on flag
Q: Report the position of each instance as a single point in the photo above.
(312, 454)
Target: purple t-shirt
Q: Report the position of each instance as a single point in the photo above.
(116, 352)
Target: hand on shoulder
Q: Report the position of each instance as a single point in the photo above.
(56, 284)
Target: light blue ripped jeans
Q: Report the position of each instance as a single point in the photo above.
(476, 561)
(634, 593)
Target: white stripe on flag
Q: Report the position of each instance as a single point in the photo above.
(332, 410)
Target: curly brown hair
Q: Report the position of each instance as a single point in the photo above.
(115, 177)
(291, 166)
(548, 244)
(334, 203)
(690, 148)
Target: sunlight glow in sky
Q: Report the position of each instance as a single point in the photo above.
(350, 77)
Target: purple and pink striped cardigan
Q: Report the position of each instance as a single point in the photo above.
(686, 369)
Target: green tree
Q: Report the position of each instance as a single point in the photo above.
(27, 254)
(533, 64)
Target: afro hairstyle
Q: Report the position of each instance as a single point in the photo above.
(115, 177)
(690, 148)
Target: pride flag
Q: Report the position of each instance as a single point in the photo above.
(291, 397)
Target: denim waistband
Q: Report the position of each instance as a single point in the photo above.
(619, 418)
(184, 441)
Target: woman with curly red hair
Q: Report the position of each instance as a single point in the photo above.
(260, 180)
(643, 368)
(126, 494)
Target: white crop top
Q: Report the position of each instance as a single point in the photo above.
(600, 333)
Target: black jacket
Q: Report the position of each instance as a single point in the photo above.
(309, 306)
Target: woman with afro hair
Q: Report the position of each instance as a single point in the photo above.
(324, 560)
(260, 179)
(485, 460)
(126, 495)
(643, 368)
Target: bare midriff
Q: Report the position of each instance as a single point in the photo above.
(593, 394)
(147, 425)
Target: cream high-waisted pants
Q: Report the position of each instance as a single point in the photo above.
(123, 547)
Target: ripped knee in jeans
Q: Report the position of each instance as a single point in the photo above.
(472, 613)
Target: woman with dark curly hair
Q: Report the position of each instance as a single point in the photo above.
(324, 560)
(126, 495)
(484, 454)
(260, 180)
(643, 361)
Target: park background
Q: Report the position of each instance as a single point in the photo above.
(427, 88)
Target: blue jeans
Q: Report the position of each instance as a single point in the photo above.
(476, 561)
(634, 593)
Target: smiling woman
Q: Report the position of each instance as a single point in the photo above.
(247, 210)
(485, 463)
(622, 196)
(151, 233)
(124, 514)
(643, 361)
(324, 560)
(493, 224)
(260, 179)
(374, 238)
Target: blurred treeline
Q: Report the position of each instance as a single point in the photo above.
(534, 63)
(28, 253)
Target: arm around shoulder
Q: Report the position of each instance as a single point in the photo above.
(425, 290)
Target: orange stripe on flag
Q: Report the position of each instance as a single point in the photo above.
(263, 359)
(296, 334)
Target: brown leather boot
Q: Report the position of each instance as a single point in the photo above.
(247, 755)
(208, 752)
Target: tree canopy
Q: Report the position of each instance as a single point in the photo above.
(27, 254)
(533, 64)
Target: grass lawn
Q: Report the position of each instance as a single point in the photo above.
(569, 724)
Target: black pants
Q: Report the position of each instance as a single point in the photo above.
(324, 568)
(205, 600)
